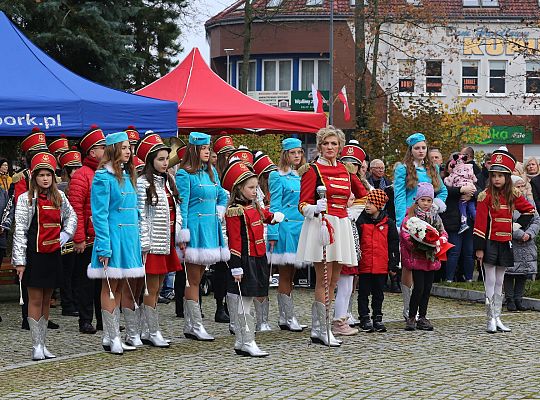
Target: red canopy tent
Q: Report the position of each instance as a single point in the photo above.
(207, 103)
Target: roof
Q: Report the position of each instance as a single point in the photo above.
(38, 91)
(206, 102)
(451, 9)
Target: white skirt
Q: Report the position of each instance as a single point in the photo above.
(343, 250)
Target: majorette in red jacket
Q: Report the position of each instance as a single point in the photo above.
(339, 183)
(379, 241)
(246, 219)
(496, 224)
(79, 197)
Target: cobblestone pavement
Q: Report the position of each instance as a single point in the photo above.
(456, 361)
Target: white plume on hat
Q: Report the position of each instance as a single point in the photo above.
(503, 147)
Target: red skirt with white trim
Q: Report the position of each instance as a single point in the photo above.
(161, 264)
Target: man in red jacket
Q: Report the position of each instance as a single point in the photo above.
(92, 146)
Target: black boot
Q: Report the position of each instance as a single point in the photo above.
(52, 325)
(221, 315)
(519, 305)
(511, 305)
(394, 284)
(365, 324)
(378, 325)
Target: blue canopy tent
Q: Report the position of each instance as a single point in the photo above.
(37, 91)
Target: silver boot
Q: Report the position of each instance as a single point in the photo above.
(261, 311)
(498, 300)
(246, 333)
(232, 305)
(125, 346)
(37, 344)
(491, 326)
(406, 294)
(315, 325)
(112, 330)
(193, 326)
(322, 336)
(132, 320)
(152, 317)
(43, 326)
(287, 318)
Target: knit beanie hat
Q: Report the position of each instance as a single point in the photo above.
(425, 189)
(516, 179)
(378, 198)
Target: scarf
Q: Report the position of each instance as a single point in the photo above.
(431, 216)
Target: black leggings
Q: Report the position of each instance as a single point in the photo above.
(423, 280)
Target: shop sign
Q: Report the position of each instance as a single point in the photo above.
(508, 135)
(301, 100)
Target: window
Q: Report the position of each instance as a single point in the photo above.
(533, 77)
(277, 75)
(481, 3)
(314, 2)
(273, 3)
(315, 71)
(252, 78)
(497, 77)
(406, 76)
(434, 76)
(469, 77)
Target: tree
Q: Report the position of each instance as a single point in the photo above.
(122, 44)
(446, 127)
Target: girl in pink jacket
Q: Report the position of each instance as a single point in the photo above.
(421, 245)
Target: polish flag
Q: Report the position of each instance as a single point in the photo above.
(318, 100)
(343, 97)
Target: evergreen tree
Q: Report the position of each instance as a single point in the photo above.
(123, 44)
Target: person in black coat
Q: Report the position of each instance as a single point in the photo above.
(463, 242)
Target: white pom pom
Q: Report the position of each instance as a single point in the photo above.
(149, 132)
(353, 141)
(242, 147)
(258, 154)
(503, 147)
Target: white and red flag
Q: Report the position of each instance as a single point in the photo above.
(317, 99)
(343, 97)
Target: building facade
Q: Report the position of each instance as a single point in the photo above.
(484, 50)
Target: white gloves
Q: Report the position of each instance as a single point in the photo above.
(321, 205)
(237, 271)
(278, 217)
(220, 212)
(64, 238)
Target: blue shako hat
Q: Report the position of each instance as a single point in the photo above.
(291, 143)
(117, 137)
(415, 138)
(199, 139)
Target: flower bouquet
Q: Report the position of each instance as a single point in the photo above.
(427, 240)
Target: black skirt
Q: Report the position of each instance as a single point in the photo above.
(255, 280)
(43, 270)
(498, 253)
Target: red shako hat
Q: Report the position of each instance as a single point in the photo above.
(502, 161)
(71, 158)
(148, 144)
(181, 152)
(133, 135)
(59, 145)
(93, 137)
(223, 144)
(263, 164)
(236, 172)
(34, 141)
(138, 164)
(243, 154)
(43, 160)
(352, 152)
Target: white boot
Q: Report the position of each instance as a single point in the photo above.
(113, 332)
(37, 345)
(232, 305)
(498, 300)
(287, 318)
(321, 334)
(247, 336)
(491, 326)
(152, 317)
(133, 326)
(193, 326)
(261, 311)
(43, 326)
(406, 294)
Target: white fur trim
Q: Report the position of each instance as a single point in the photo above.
(221, 212)
(205, 256)
(225, 254)
(440, 204)
(114, 273)
(237, 271)
(284, 259)
(287, 172)
(183, 236)
(309, 210)
(278, 217)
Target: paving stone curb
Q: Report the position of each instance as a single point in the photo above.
(475, 295)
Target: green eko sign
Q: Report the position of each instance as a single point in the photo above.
(508, 135)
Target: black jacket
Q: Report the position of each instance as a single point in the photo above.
(451, 217)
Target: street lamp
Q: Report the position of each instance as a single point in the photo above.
(227, 51)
